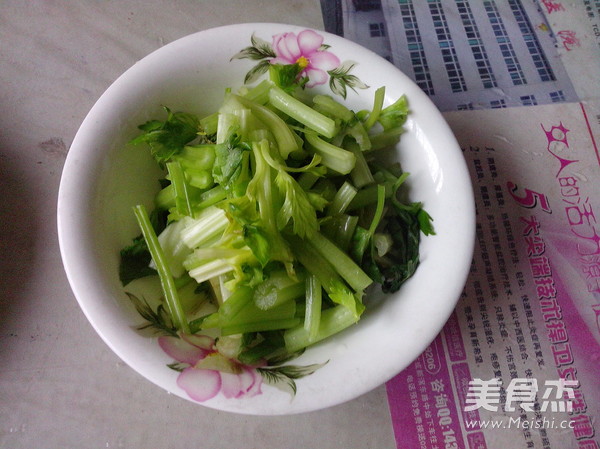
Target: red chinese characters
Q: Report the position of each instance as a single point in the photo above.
(552, 6)
(569, 39)
(578, 209)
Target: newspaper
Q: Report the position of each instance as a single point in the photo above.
(469, 54)
(516, 365)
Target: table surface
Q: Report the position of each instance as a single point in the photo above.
(60, 385)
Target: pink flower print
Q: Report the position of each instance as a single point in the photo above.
(304, 49)
(208, 372)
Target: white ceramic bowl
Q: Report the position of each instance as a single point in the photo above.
(103, 179)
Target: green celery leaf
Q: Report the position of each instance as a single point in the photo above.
(297, 206)
(135, 261)
(287, 76)
(252, 275)
(341, 294)
(360, 242)
(229, 167)
(403, 258)
(425, 222)
(257, 240)
(395, 115)
(244, 212)
(168, 138)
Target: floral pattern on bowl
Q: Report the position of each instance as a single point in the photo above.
(207, 369)
(307, 49)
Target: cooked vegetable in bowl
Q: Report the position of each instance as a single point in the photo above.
(282, 230)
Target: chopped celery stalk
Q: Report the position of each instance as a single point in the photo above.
(299, 152)
(386, 139)
(358, 132)
(315, 263)
(262, 134)
(209, 322)
(333, 320)
(228, 124)
(261, 326)
(201, 157)
(345, 232)
(209, 123)
(301, 112)
(340, 230)
(285, 137)
(174, 250)
(245, 316)
(201, 179)
(276, 280)
(334, 108)
(209, 223)
(383, 243)
(236, 302)
(231, 104)
(265, 349)
(248, 123)
(341, 262)
(209, 270)
(361, 173)
(379, 210)
(166, 278)
(342, 199)
(278, 296)
(307, 180)
(250, 313)
(210, 198)
(301, 305)
(365, 237)
(221, 292)
(377, 107)
(201, 255)
(369, 195)
(325, 187)
(336, 288)
(182, 198)
(259, 93)
(261, 188)
(267, 294)
(314, 297)
(333, 157)
(189, 298)
(165, 198)
(203, 269)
